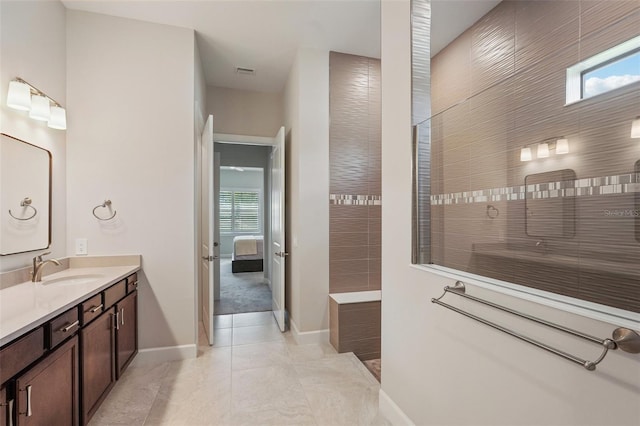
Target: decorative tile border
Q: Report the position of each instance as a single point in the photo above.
(355, 200)
(605, 185)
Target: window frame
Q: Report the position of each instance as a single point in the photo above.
(234, 231)
(574, 74)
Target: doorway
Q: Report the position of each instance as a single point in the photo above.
(232, 152)
(242, 220)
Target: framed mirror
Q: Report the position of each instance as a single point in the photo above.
(636, 211)
(25, 196)
(550, 213)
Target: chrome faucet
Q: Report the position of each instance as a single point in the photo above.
(38, 263)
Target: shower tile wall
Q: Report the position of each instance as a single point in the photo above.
(500, 86)
(355, 173)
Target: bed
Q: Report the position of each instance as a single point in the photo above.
(247, 253)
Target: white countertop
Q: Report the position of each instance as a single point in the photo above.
(27, 305)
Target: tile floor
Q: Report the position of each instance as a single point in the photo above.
(253, 375)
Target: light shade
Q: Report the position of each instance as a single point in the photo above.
(40, 108)
(58, 118)
(19, 96)
(543, 150)
(525, 154)
(562, 146)
(635, 128)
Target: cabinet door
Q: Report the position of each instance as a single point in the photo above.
(48, 393)
(6, 408)
(127, 331)
(98, 362)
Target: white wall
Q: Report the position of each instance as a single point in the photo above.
(441, 368)
(307, 125)
(131, 89)
(33, 47)
(245, 112)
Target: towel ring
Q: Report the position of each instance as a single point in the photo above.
(492, 212)
(25, 203)
(107, 203)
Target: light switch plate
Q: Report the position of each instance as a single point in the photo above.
(81, 246)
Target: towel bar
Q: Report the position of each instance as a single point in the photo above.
(622, 338)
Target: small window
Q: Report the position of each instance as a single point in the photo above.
(606, 71)
(617, 73)
(239, 211)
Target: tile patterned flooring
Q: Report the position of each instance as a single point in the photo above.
(253, 375)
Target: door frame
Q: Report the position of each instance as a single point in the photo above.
(229, 139)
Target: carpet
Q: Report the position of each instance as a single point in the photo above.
(241, 292)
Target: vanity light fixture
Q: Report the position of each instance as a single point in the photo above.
(562, 146)
(24, 96)
(635, 128)
(40, 108)
(525, 154)
(543, 150)
(19, 96)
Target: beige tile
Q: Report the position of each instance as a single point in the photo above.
(310, 352)
(222, 337)
(260, 355)
(222, 321)
(340, 369)
(192, 402)
(294, 416)
(132, 397)
(256, 334)
(268, 388)
(343, 404)
(253, 318)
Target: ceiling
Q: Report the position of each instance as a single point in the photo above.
(265, 34)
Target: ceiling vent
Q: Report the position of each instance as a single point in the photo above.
(245, 71)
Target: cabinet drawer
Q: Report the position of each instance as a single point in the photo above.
(132, 283)
(19, 354)
(91, 308)
(62, 327)
(115, 293)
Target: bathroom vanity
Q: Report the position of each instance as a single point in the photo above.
(65, 341)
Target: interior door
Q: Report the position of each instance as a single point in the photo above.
(207, 228)
(277, 229)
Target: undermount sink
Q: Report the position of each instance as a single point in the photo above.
(72, 279)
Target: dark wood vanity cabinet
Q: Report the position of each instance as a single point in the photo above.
(109, 343)
(60, 372)
(127, 331)
(48, 392)
(6, 407)
(98, 340)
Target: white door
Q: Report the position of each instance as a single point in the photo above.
(277, 229)
(209, 266)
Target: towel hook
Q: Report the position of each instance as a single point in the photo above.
(492, 211)
(26, 203)
(106, 204)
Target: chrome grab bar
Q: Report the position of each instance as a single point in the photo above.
(622, 338)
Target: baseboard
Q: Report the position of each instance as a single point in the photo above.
(391, 411)
(165, 354)
(308, 337)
